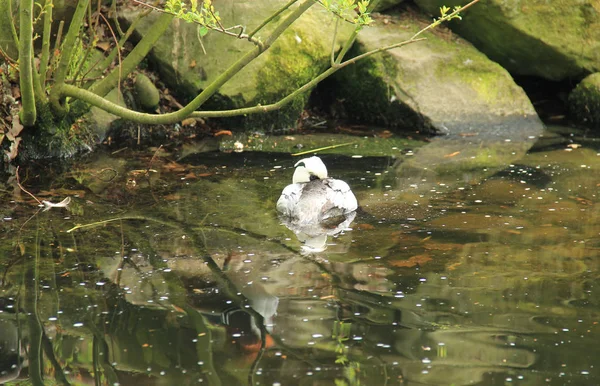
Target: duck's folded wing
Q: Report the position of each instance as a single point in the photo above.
(289, 199)
(341, 196)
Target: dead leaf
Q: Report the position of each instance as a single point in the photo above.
(385, 134)
(452, 154)
(452, 267)
(189, 122)
(104, 46)
(193, 63)
(174, 167)
(13, 151)
(17, 127)
(222, 132)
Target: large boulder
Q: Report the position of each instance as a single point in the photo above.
(442, 85)
(189, 63)
(584, 101)
(554, 40)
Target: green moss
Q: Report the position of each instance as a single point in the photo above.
(535, 38)
(372, 100)
(290, 66)
(584, 101)
(57, 138)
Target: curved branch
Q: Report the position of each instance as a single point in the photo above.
(95, 100)
(177, 116)
(136, 55)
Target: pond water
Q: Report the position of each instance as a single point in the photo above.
(467, 263)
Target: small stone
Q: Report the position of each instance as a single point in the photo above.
(146, 93)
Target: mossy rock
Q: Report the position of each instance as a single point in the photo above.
(441, 85)
(584, 101)
(188, 64)
(555, 40)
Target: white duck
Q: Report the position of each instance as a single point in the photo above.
(313, 196)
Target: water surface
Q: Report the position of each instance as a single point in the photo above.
(464, 265)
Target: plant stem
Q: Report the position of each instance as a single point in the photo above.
(135, 56)
(46, 43)
(94, 71)
(445, 18)
(68, 46)
(270, 18)
(177, 116)
(13, 30)
(28, 112)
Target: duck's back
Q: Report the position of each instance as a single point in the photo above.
(316, 200)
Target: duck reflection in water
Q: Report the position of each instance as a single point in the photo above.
(315, 206)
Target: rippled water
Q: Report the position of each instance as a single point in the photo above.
(465, 264)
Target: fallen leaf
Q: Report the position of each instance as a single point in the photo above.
(104, 46)
(174, 167)
(222, 132)
(13, 151)
(193, 63)
(189, 122)
(204, 174)
(452, 154)
(385, 134)
(452, 267)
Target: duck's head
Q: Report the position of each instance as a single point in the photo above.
(309, 169)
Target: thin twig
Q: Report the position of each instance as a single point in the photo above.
(25, 190)
(323, 148)
(154, 157)
(443, 19)
(220, 27)
(335, 31)
(118, 53)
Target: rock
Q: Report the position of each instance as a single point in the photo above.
(550, 39)
(100, 120)
(442, 85)
(146, 93)
(584, 101)
(383, 5)
(188, 63)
